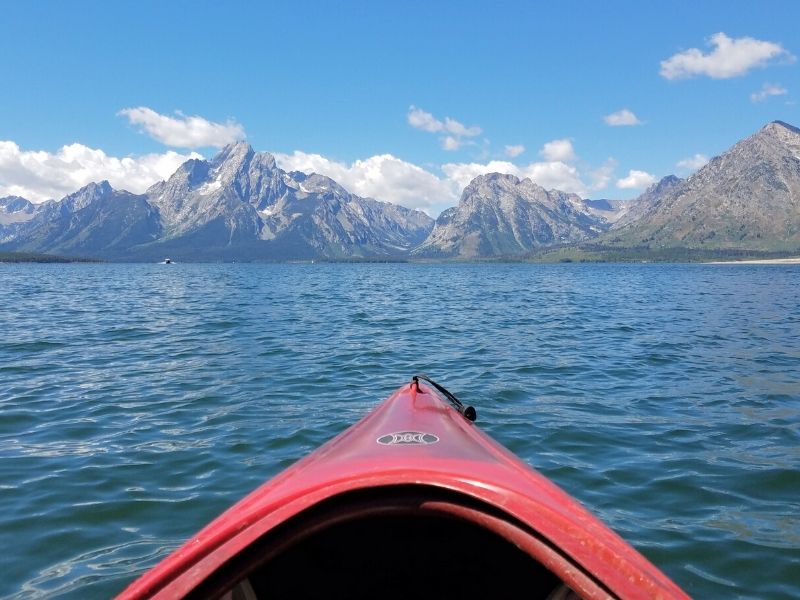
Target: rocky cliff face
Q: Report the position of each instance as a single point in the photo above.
(503, 215)
(748, 197)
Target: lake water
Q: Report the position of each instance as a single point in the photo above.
(139, 401)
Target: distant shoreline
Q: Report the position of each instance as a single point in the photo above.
(762, 261)
(597, 257)
(32, 257)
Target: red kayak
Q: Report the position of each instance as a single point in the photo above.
(412, 501)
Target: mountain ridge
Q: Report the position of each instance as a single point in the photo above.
(239, 205)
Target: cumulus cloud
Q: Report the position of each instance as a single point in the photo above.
(622, 118)
(453, 131)
(39, 175)
(184, 131)
(383, 177)
(693, 162)
(766, 91)
(555, 175)
(558, 150)
(729, 58)
(636, 180)
(514, 150)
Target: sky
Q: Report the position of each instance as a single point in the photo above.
(405, 102)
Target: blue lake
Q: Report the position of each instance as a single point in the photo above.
(139, 401)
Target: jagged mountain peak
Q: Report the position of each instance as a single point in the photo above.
(493, 187)
(233, 151)
(237, 158)
(490, 185)
(100, 187)
(780, 126)
(14, 203)
(87, 194)
(662, 185)
(776, 136)
(491, 181)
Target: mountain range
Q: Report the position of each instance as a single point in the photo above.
(240, 206)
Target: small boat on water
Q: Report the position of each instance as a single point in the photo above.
(413, 501)
(167, 261)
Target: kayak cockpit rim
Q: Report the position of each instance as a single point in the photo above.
(432, 537)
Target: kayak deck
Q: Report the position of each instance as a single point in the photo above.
(414, 499)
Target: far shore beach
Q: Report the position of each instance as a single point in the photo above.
(768, 261)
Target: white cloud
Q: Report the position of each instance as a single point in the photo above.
(729, 58)
(693, 162)
(450, 143)
(454, 130)
(601, 176)
(636, 180)
(766, 91)
(558, 150)
(515, 150)
(621, 118)
(460, 130)
(425, 121)
(555, 175)
(40, 175)
(383, 177)
(183, 131)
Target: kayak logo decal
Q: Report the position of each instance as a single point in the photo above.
(408, 438)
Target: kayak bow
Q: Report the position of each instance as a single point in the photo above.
(413, 500)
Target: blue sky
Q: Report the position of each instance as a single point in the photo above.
(405, 102)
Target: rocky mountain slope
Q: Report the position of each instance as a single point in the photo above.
(14, 209)
(96, 220)
(646, 203)
(748, 197)
(501, 215)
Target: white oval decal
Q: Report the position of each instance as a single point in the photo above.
(404, 438)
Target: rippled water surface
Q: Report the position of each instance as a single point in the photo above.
(139, 401)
